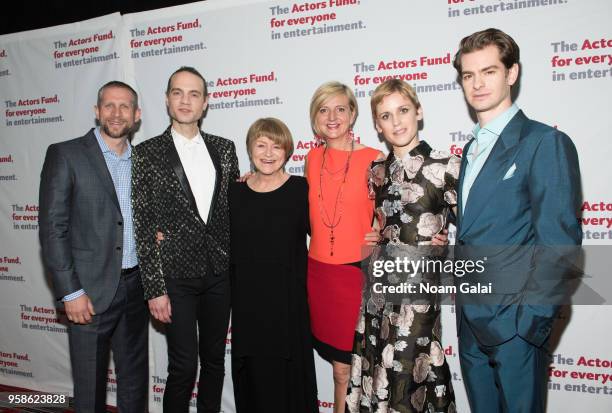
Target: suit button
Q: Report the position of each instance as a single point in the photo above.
(461, 242)
(118, 248)
(119, 223)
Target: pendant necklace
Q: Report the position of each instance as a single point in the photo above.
(334, 221)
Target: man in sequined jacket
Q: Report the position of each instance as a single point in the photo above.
(181, 217)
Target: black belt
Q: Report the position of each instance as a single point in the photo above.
(127, 271)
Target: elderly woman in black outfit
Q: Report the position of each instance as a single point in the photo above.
(272, 359)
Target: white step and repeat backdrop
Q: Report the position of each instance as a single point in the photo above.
(265, 58)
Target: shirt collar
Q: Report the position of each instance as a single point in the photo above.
(422, 149)
(183, 141)
(105, 149)
(497, 125)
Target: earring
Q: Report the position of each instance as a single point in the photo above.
(318, 139)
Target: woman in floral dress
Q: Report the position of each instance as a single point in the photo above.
(398, 362)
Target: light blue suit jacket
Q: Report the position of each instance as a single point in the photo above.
(535, 206)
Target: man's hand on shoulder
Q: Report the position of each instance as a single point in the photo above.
(160, 308)
(79, 310)
(248, 175)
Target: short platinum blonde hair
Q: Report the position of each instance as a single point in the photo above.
(327, 91)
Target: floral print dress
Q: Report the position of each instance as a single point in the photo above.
(398, 363)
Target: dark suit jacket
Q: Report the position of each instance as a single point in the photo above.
(81, 230)
(536, 206)
(162, 201)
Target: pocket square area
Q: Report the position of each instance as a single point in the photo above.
(510, 173)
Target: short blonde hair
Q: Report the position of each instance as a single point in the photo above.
(327, 91)
(389, 87)
(275, 130)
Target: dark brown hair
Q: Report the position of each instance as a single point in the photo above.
(509, 51)
(187, 69)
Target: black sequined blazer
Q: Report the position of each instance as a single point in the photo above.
(162, 201)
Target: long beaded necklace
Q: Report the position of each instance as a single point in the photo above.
(332, 223)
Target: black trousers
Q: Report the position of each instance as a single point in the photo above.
(201, 304)
(123, 327)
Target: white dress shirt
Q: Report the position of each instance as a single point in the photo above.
(199, 169)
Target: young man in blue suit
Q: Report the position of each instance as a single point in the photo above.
(520, 187)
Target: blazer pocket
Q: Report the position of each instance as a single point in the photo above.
(510, 184)
(510, 172)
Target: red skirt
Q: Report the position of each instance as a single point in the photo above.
(334, 298)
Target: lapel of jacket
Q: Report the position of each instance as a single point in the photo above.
(493, 170)
(216, 159)
(466, 149)
(177, 167)
(96, 158)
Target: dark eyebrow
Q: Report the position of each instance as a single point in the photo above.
(188, 91)
(489, 68)
(464, 72)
